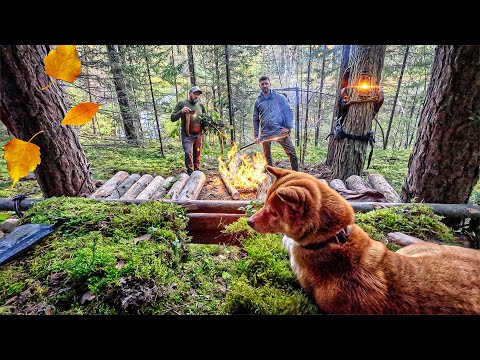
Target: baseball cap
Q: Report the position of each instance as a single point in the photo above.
(195, 89)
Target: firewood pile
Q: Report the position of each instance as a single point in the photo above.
(124, 186)
(355, 188)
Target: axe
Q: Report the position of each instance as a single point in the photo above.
(267, 139)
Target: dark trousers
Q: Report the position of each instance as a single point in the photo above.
(192, 146)
(287, 145)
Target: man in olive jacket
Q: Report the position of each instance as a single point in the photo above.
(189, 111)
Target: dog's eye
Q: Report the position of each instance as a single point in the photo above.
(273, 213)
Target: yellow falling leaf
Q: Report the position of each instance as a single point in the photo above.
(22, 157)
(81, 114)
(62, 63)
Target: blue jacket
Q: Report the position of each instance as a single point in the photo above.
(270, 113)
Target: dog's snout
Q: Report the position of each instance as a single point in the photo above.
(250, 222)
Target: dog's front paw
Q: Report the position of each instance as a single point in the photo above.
(287, 243)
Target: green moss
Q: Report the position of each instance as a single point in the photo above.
(112, 258)
(243, 298)
(416, 220)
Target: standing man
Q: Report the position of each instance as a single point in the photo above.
(273, 117)
(191, 128)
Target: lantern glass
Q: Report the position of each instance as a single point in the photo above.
(364, 84)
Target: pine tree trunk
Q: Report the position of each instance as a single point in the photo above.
(343, 66)
(191, 65)
(217, 71)
(349, 156)
(26, 110)
(385, 141)
(444, 164)
(320, 97)
(229, 95)
(121, 90)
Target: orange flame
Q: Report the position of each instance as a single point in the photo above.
(243, 171)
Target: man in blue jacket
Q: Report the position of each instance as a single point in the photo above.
(272, 118)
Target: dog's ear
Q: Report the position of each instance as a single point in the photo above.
(294, 196)
(277, 172)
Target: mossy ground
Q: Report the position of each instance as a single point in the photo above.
(112, 258)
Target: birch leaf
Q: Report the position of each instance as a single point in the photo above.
(62, 63)
(22, 157)
(81, 114)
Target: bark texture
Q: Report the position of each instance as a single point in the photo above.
(25, 109)
(349, 156)
(444, 164)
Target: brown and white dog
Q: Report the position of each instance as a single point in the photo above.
(347, 272)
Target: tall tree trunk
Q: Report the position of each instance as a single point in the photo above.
(385, 141)
(227, 66)
(191, 65)
(26, 110)
(444, 164)
(305, 130)
(121, 90)
(276, 65)
(349, 155)
(154, 104)
(343, 65)
(175, 78)
(407, 133)
(322, 79)
(217, 71)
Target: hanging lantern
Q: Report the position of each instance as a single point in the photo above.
(364, 84)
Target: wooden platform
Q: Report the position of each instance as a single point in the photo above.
(124, 186)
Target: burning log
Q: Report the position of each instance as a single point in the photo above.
(231, 190)
(193, 186)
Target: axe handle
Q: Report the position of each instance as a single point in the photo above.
(187, 123)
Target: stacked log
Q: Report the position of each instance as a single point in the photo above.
(108, 187)
(193, 186)
(124, 186)
(177, 186)
(137, 188)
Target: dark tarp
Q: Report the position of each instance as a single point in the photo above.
(22, 237)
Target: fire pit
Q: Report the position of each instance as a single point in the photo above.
(242, 173)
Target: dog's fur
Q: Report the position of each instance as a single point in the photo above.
(362, 276)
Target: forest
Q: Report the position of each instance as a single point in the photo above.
(113, 257)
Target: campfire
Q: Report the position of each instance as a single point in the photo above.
(242, 173)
